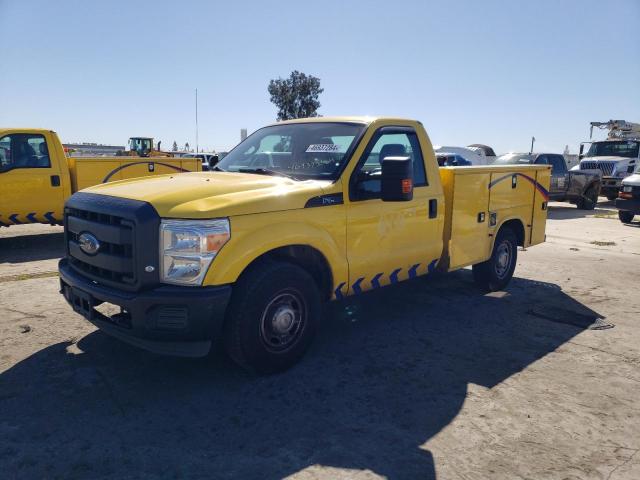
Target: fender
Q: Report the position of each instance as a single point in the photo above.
(499, 226)
(245, 247)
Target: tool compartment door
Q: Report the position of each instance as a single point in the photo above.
(145, 167)
(539, 210)
(469, 243)
(93, 171)
(511, 197)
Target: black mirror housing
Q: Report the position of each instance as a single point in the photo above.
(397, 179)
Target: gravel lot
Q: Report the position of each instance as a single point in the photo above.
(428, 379)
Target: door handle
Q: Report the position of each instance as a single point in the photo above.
(433, 208)
(55, 180)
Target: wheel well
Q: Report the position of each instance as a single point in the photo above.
(307, 258)
(518, 229)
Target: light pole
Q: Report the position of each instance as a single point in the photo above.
(197, 121)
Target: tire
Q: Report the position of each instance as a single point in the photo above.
(272, 317)
(495, 273)
(612, 196)
(625, 216)
(589, 200)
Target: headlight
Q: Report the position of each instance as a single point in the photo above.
(188, 247)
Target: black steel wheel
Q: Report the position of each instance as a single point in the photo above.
(589, 200)
(495, 273)
(625, 216)
(272, 317)
(283, 321)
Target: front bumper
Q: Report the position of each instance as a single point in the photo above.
(610, 184)
(629, 205)
(169, 320)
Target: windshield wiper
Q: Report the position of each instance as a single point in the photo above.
(266, 171)
(218, 169)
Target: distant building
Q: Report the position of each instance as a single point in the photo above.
(92, 149)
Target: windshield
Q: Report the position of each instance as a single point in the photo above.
(613, 149)
(513, 158)
(300, 150)
(140, 145)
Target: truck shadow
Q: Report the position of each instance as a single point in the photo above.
(29, 248)
(566, 211)
(389, 370)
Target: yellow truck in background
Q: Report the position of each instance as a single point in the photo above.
(36, 177)
(300, 212)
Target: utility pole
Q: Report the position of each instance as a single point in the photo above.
(197, 121)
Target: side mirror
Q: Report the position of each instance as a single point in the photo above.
(397, 179)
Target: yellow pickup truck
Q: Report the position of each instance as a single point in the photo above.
(299, 213)
(36, 177)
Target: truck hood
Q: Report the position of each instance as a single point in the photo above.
(214, 194)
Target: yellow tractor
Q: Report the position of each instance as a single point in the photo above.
(143, 147)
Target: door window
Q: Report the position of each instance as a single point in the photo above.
(558, 167)
(367, 179)
(20, 150)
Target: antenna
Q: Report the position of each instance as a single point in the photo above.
(197, 121)
(533, 140)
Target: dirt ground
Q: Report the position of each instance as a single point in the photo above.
(427, 379)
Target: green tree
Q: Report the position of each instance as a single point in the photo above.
(296, 96)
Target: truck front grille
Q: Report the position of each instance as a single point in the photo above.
(114, 261)
(605, 167)
(127, 233)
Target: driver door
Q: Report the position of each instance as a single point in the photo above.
(390, 241)
(30, 183)
(559, 175)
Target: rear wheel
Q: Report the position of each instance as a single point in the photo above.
(625, 216)
(495, 273)
(612, 196)
(589, 200)
(272, 317)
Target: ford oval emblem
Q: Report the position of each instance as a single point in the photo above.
(88, 243)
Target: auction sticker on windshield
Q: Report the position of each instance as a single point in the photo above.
(322, 147)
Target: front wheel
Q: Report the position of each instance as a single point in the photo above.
(589, 200)
(625, 216)
(272, 317)
(495, 273)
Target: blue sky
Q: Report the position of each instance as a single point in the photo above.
(494, 72)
